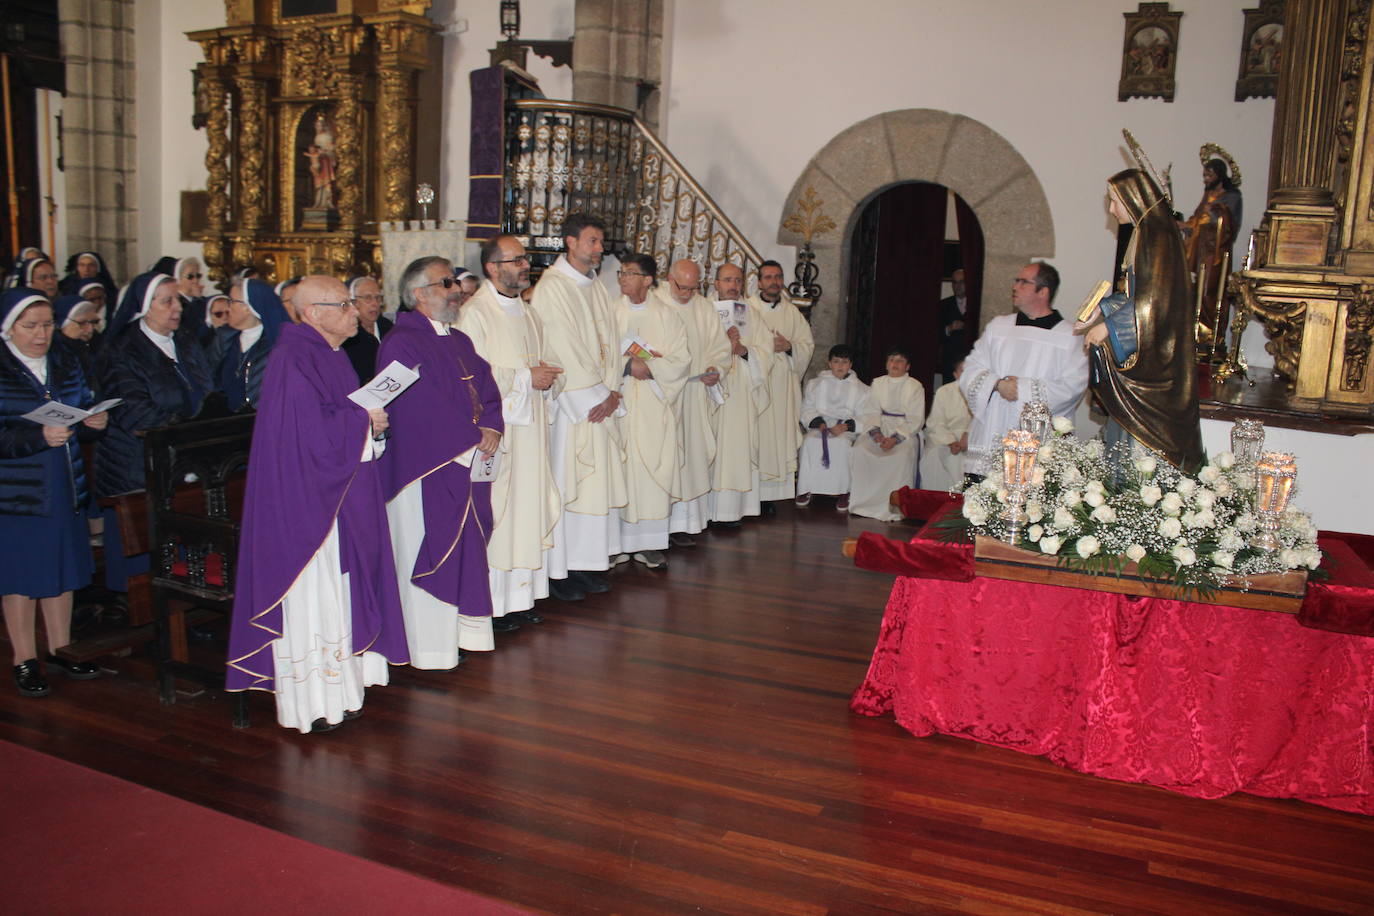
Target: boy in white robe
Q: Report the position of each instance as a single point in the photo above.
(946, 437)
(885, 454)
(831, 407)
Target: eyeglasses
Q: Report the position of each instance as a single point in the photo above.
(629, 273)
(84, 322)
(36, 326)
(346, 304)
(369, 297)
(524, 258)
(445, 282)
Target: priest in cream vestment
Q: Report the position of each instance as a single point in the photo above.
(702, 396)
(587, 451)
(792, 346)
(885, 456)
(739, 420)
(652, 385)
(522, 554)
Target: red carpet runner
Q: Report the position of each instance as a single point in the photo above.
(74, 840)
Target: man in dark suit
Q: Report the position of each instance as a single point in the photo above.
(372, 327)
(953, 326)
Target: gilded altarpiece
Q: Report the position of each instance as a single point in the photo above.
(312, 131)
(1310, 280)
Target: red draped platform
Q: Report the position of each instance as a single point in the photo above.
(1200, 699)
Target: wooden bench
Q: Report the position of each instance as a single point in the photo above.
(196, 476)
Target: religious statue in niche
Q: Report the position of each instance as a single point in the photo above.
(1150, 53)
(322, 159)
(1260, 51)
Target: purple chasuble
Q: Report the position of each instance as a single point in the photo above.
(305, 473)
(432, 423)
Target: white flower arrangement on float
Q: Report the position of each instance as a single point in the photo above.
(1096, 509)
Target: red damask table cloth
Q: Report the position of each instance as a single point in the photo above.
(1199, 699)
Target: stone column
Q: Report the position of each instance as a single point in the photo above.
(618, 54)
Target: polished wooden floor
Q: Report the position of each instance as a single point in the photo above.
(683, 745)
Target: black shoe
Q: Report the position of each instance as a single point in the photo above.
(28, 677)
(768, 509)
(201, 634)
(505, 624)
(351, 714)
(590, 582)
(728, 525)
(682, 539)
(77, 671)
(565, 590)
(323, 725)
(530, 616)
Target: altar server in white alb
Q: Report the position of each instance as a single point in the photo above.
(653, 344)
(587, 450)
(739, 420)
(792, 347)
(702, 396)
(1019, 358)
(525, 504)
(885, 454)
(831, 409)
(945, 436)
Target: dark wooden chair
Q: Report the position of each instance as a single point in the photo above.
(196, 476)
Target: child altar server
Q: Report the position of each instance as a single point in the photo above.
(832, 405)
(885, 455)
(946, 436)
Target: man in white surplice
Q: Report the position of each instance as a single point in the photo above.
(780, 436)
(701, 398)
(832, 406)
(1020, 357)
(525, 504)
(587, 450)
(653, 343)
(739, 421)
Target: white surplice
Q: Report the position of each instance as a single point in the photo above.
(317, 674)
(780, 436)
(949, 419)
(738, 421)
(709, 349)
(898, 408)
(831, 400)
(1049, 363)
(522, 554)
(588, 459)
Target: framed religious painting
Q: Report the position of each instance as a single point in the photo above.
(1150, 53)
(1261, 49)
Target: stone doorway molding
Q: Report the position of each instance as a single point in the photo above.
(922, 144)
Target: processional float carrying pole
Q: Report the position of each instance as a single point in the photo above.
(9, 155)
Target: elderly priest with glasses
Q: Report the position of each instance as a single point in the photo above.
(446, 428)
(317, 616)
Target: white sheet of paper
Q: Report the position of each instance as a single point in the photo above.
(54, 413)
(484, 469)
(386, 386)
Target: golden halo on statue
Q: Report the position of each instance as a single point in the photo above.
(1213, 151)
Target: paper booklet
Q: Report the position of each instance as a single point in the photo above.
(635, 346)
(55, 413)
(484, 469)
(386, 386)
(732, 314)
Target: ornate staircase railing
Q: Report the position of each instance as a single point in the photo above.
(575, 157)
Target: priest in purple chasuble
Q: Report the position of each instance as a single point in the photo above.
(442, 427)
(317, 616)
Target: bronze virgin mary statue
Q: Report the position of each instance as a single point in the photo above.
(1143, 353)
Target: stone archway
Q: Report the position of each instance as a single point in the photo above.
(922, 144)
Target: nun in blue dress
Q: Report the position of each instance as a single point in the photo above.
(43, 497)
